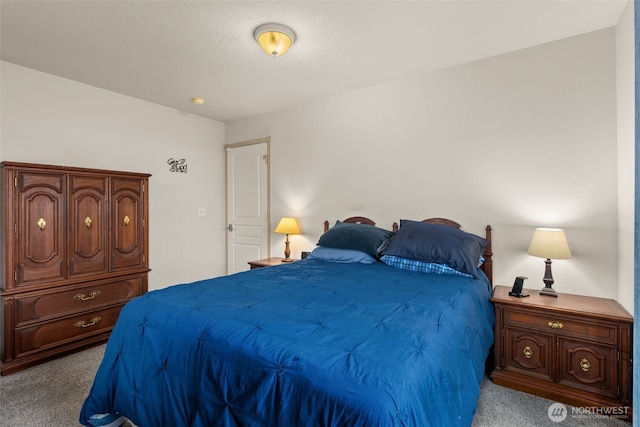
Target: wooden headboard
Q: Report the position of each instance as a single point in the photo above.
(487, 266)
(354, 220)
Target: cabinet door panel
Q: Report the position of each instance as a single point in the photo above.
(589, 367)
(529, 353)
(127, 224)
(41, 241)
(88, 226)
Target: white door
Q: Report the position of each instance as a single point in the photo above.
(247, 203)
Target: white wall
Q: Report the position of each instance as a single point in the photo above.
(520, 140)
(625, 79)
(517, 141)
(47, 119)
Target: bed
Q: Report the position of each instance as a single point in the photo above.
(350, 336)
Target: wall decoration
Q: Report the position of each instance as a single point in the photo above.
(177, 165)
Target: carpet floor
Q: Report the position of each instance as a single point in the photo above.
(51, 394)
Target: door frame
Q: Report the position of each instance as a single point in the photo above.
(227, 147)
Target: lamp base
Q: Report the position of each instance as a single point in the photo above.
(287, 250)
(548, 281)
(549, 291)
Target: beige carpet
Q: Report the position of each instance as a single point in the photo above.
(51, 395)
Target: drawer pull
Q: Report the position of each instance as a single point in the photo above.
(585, 365)
(556, 325)
(82, 324)
(527, 352)
(83, 297)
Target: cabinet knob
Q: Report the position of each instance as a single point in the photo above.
(41, 223)
(527, 352)
(556, 325)
(126, 220)
(87, 222)
(585, 365)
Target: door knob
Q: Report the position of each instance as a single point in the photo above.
(230, 227)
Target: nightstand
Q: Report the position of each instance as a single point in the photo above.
(573, 349)
(267, 262)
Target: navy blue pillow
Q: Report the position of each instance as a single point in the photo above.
(360, 237)
(439, 244)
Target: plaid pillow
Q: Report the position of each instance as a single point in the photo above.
(424, 267)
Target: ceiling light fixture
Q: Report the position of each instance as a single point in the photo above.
(275, 39)
(197, 101)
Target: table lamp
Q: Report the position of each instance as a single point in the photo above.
(287, 226)
(549, 243)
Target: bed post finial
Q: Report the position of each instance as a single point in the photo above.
(488, 262)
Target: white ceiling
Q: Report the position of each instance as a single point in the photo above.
(169, 51)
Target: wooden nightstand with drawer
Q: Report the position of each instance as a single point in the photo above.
(573, 349)
(267, 262)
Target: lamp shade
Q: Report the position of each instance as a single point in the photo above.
(274, 39)
(287, 226)
(549, 243)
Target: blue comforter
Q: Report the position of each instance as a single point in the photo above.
(309, 343)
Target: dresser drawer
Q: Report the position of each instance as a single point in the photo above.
(549, 322)
(56, 332)
(47, 306)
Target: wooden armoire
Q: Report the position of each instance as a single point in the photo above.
(74, 251)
